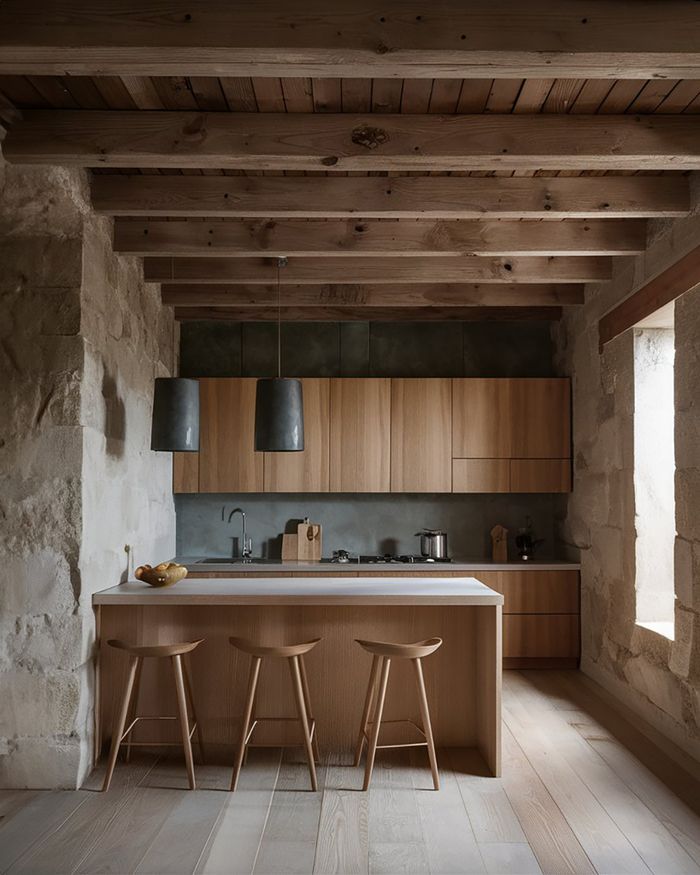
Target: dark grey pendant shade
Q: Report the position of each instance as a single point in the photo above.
(279, 416)
(175, 424)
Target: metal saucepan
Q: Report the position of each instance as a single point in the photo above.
(433, 543)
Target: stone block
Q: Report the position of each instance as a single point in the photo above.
(38, 763)
(38, 704)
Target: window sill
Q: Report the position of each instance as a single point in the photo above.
(665, 628)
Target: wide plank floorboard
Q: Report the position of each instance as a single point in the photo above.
(584, 790)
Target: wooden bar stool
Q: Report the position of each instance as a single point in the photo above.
(183, 688)
(294, 653)
(382, 654)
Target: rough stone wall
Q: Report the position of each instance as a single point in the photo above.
(81, 339)
(658, 678)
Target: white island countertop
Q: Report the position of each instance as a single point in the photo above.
(305, 590)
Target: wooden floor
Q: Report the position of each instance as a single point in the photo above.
(583, 791)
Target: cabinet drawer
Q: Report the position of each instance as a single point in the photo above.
(534, 592)
(480, 475)
(540, 635)
(540, 475)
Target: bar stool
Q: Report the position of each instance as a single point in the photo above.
(294, 653)
(183, 688)
(382, 654)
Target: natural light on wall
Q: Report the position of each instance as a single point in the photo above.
(654, 472)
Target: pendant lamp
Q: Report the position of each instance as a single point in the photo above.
(175, 422)
(279, 407)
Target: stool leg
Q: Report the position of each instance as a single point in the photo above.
(120, 723)
(184, 722)
(361, 738)
(307, 703)
(248, 713)
(190, 697)
(134, 704)
(425, 718)
(381, 695)
(301, 711)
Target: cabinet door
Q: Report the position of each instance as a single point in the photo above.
(540, 412)
(306, 471)
(540, 475)
(540, 636)
(482, 424)
(421, 435)
(534, 592)
(481, 475)
(227, 460)
(185, 472)
(360, 434)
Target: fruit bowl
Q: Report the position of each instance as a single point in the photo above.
(165, 574)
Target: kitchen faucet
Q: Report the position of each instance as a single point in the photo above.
(246, 543)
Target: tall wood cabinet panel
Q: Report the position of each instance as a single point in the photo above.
(540, 414)
(421, 435)
(306, 471)
(360, 456)
(482, 424)
(185, 472)
(227, 460)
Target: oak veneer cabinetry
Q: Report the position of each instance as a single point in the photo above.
(421, 435)
(360, 459)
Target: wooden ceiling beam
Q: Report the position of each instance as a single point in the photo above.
(348, 238)
(322, 271)
(368, 314)
(446, 38)
(337, 141)
(403, 197)
(458, 295)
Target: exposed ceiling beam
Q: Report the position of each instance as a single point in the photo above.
(354, 237)
(321, 271)
(446, 38)
(319, 141)
(404, 197)
(364, 314)
(458, 295)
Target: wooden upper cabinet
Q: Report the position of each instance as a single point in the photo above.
(541, 415)
(306, 471)
(227, 460)
(482, 419)
(360, 456)
(185, 472)
(421, 435)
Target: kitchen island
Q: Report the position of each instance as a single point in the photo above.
(463, 678)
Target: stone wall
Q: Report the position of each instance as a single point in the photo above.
(657, 677)
(81, 339)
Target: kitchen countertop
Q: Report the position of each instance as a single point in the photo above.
(310, 591)
(273, 566)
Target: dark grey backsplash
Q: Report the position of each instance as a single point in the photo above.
(363, 523)
(367, 349)
(366, 523)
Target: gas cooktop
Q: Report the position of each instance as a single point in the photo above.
(385, 559)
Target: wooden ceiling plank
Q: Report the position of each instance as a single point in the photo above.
(386, 95)
(281, 141)
(400, 197)
(427, 295)
(298, 95)
(239, 94)
(365, 314)
(143, 92)
(474, 95)
(451, 39)
(563, 95)
(319, 271)
(208, 94)
(356, 95)
(533, 95)
(349, 238)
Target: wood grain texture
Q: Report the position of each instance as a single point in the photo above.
(541, 407)
(404, 197)
(307, 471)
(185, 472)
(341, 238)
(391, 270)
(360, 430)
(540, 475)
(540, 635)
(326, 297)
(481, 475)
(344, 141)
(421, 437)
(535, 592)
(482, 418)
(227, 461)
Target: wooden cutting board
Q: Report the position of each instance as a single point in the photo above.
(309, 541)
(289, 547)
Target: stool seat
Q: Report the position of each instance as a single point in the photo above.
(127, 719)
(294, 654)
(401, 651)
(285, 651)
(158, 650)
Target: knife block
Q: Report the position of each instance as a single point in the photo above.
(309, 543)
